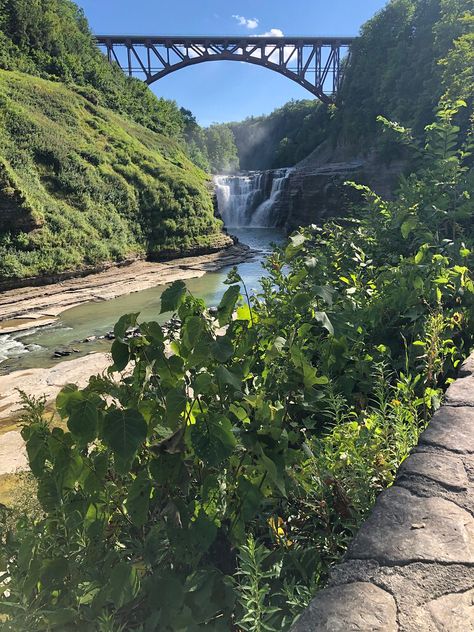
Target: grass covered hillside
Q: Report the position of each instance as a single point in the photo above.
(80, 184)
(93, 166)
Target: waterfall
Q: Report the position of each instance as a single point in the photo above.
(250, 199)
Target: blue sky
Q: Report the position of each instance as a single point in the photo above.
(228, 91)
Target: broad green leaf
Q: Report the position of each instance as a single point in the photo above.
(83, 421)
(60, 616)
(120, 355)
(152, 331)
(192, 330)
(227, 305)
(202, 383)
(418, 283)
(138, 499)
(244, 313)
(250, 497)
(175, 404)
(203, 532)
(53, 572)
(68, 393)
(276, 348)
(124, 431)
(408, 226)
(172, 297)
(124, 324)
(224, 376)
(48, 493)
(273, 473)
(302, 300)
(123, 585)
(36, 449)
(212, 439)
(222, 348)
(296, 279)
(325, 292)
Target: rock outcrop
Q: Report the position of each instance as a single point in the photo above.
(315, 189)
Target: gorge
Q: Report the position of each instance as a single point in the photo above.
(205, 422)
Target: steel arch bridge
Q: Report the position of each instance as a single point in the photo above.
(315, 63)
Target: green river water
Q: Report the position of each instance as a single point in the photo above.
(35, 348)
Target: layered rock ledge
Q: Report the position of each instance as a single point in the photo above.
(411, 566)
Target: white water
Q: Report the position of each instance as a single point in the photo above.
(247, 202)
(12, 347)
(250, 199)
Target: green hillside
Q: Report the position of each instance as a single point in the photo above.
(81, 185)
(93, 166)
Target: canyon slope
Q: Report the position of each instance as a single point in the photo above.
(93, 166)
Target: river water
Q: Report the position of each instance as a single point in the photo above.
(245, 204)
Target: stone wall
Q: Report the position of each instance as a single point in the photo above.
(411, 566)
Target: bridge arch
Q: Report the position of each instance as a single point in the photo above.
(314, 63)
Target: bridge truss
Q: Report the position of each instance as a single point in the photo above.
(315, 63)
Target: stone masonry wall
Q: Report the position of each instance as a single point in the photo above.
(411, 566)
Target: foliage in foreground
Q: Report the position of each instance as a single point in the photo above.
(214, 482)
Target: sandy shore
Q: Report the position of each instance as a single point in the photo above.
(47, 382)
(38, 382)
(28, 307)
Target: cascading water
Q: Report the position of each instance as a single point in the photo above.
(250, 199)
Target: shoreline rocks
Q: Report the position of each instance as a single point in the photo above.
(33, 306)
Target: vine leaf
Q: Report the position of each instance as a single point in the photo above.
(172, 297)
(226, 307)
(124, 431)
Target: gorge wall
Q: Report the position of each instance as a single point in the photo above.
(315, 189)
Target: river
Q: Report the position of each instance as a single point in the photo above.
(245, 204)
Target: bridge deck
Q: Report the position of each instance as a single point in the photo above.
(315, 63)
(223, 39)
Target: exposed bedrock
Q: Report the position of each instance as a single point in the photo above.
(315, 189)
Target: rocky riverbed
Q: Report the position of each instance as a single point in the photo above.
(24, 308)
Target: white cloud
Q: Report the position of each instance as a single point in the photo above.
(250, 23)
(273, 33)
